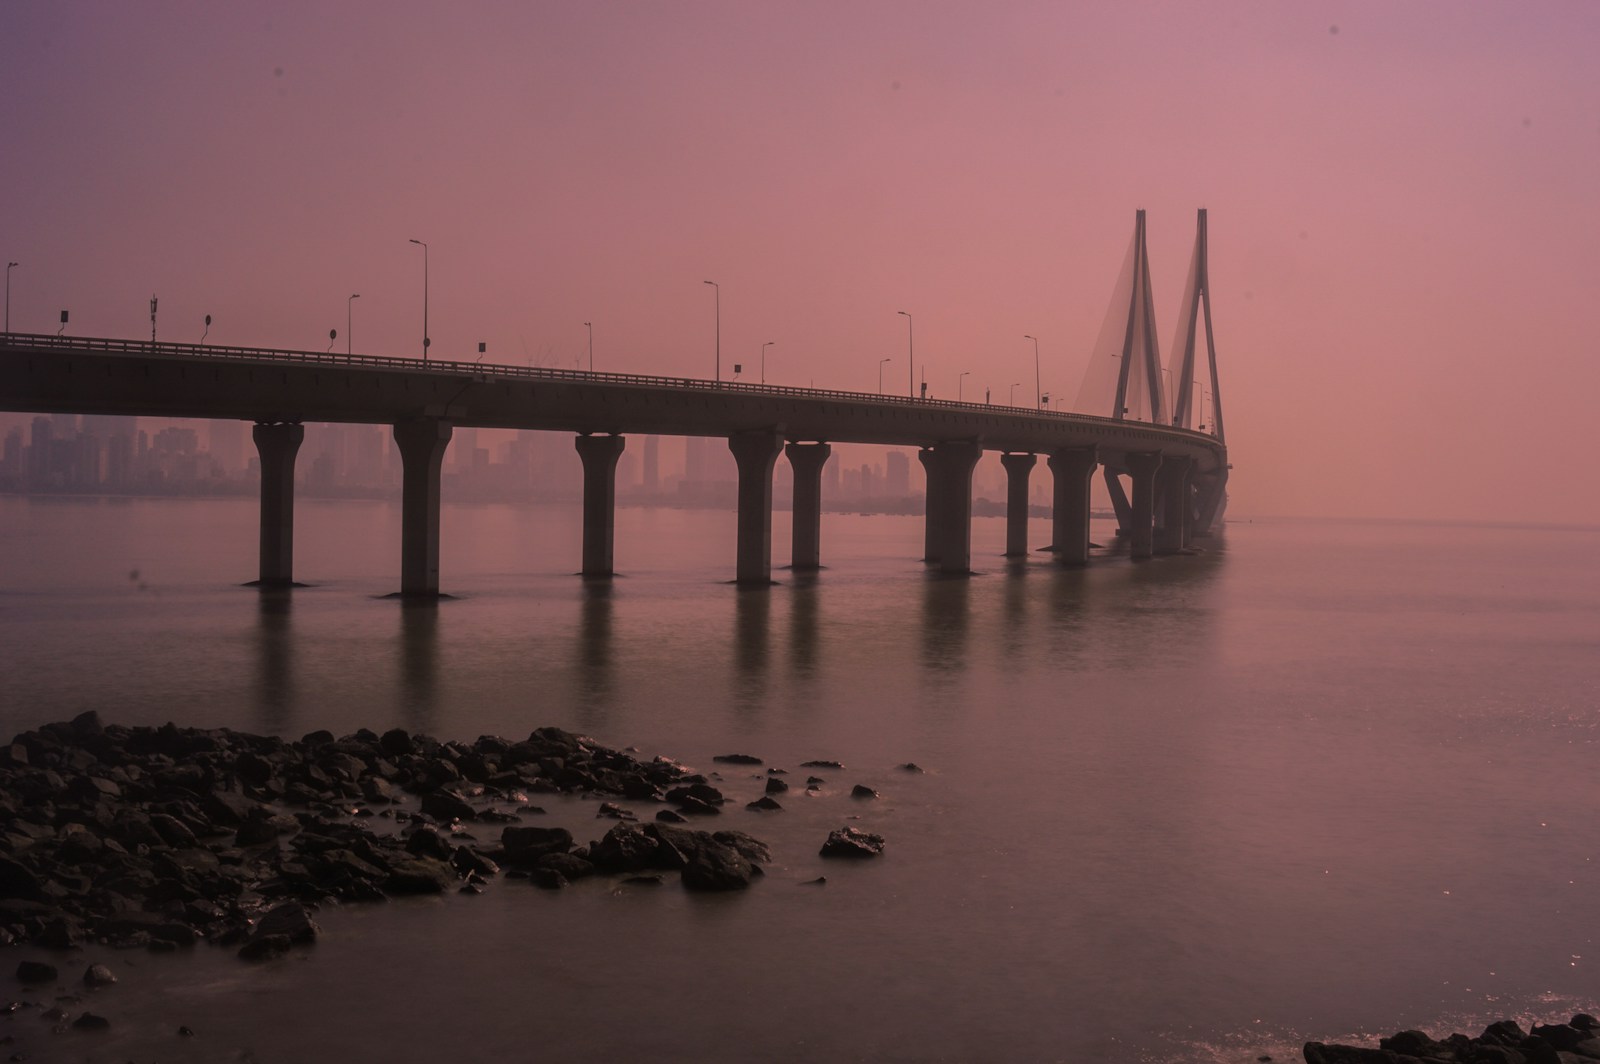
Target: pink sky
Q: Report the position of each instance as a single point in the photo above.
(1402, 201)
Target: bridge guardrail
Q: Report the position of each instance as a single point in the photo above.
(46, 341)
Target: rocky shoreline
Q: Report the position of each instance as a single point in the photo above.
(1505, 1042)
(161, 838)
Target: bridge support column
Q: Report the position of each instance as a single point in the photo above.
(1172, 486)
(1142, 469)
(756, 453)
(422, 444)
(599, 455)
(1017, 467)
(932, 499)
(949, 517)
(1073, 470)
(277, 444)
(807, 460)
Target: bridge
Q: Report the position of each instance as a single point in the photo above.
(1176, 474)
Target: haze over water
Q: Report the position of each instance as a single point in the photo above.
(1324, 778)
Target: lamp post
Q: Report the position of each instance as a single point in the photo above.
(911, 358)
(425, 340)
(1038, 390)
(718, 287)
(764, 347)
(9, 266)
(349, 333)
(881, 361)
(961, 380)
(1013, 400)
(590, 326)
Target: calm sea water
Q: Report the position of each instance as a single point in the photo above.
(1325, 780)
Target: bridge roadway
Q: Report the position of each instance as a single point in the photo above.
(1177, 475)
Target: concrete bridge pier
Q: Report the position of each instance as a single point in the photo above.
(1172, 487)
(1073, 470)
(807, 460)
(932, 500)
(422, 442)
(755, 453)
(1142, 469)
(1017, 467)
(949, 515)
(277, 444)
(599, 455)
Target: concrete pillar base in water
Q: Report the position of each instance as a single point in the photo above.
(1172, 486)
(807, 460)
(1073, 471)
(422, 444)
(277, 445)
(1017, 467)
(949, 518)
(1142, 469)
(599, 455)
(755, 453)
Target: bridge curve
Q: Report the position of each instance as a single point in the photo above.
(279, 390)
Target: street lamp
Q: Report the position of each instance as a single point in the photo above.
(1037, 389)
(590, 326)
(881, 361)
(962, 379)
(1013, 400)
(425, 340)
(9, 266)
(764, 347)
(349, 333)
(911, 358)
(718, 287)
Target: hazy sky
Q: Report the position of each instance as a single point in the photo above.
(1403, 202)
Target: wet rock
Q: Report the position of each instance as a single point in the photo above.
(446, 805)
(290, 920)
(91, 1022)
(667, 816)
(36, 972)
(698, 792)
(862, 791)
(766, 803)
(98, 975)
(738, 759)
(821, 764)
(852, 842)
(615, 812)
(426, 842)
(696, 806)
(717, 866)
(265, 947)
(419, 875)
(19, 881)
(525, 845)
(185, 1032)
(776, 785)
(749, 847)
(910, 766)
(626, 848)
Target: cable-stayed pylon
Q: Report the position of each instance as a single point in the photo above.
(1196, 305)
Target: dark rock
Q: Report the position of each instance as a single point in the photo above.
(626, 848)
(1559, 1035)
(447, 805)
(18, 881)
(717, 866)
(397, 743)
(1503, 1033)
(667, 816)
(419, 875)
(852, 842)
(90, 1022)
(910, 766)
(290, 920)
(750, 848)
(818, 882)
(36, 972)
(821, 764)
(700, 792)
(862, 791)
(569, 865)
(1410, 1043)
(696, 806)
(766, 803)
(738, 759)
(185, 1032)
(427, 842)
(776, 785)
(98, 975)
(615, 812)
(1318, 1053)
(265, 947)
(652, 880)
(1584, 1021)
(525, 845)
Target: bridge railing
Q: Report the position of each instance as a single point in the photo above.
(146, 348)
